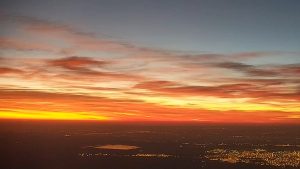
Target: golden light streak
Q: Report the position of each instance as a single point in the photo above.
(46, 115)
(224, 104)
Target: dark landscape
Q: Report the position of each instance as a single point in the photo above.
(80, 145)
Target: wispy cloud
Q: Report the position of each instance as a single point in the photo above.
(76, 63)
(248, 69)
(236, 90)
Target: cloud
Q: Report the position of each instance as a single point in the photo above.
(80, 40)
(292, 69)
(7, 70)
(247, 69)
(264, 71)
(263, 82)
(33, 22)
(123, 109)
(87, 73)
(235, 90)
(88, 68)
(176, 89)
(155, 84)
(234, 66)
(77, 63)
(77, 39)
(140, 81)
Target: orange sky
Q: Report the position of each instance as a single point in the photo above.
(53, 71)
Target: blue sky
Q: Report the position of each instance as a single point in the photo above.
(189, 26)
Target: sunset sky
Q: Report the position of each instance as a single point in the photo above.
(145, 60)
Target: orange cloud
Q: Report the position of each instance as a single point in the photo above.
(6, 70)
(75, 62)
(292, 69)
(245, 90)
(82, 66)
(125, 110)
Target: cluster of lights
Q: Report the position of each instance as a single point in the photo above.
(257, 156)
(153, 155)
(135, 155)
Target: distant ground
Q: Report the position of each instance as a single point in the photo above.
(89, 145)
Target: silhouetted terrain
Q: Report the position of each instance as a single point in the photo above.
(89, 145)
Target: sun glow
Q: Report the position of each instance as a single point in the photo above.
(47, 115)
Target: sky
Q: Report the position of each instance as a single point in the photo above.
(231, 61)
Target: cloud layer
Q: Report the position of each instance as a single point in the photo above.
(55, 68)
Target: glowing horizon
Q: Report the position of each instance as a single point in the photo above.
(53, 70)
